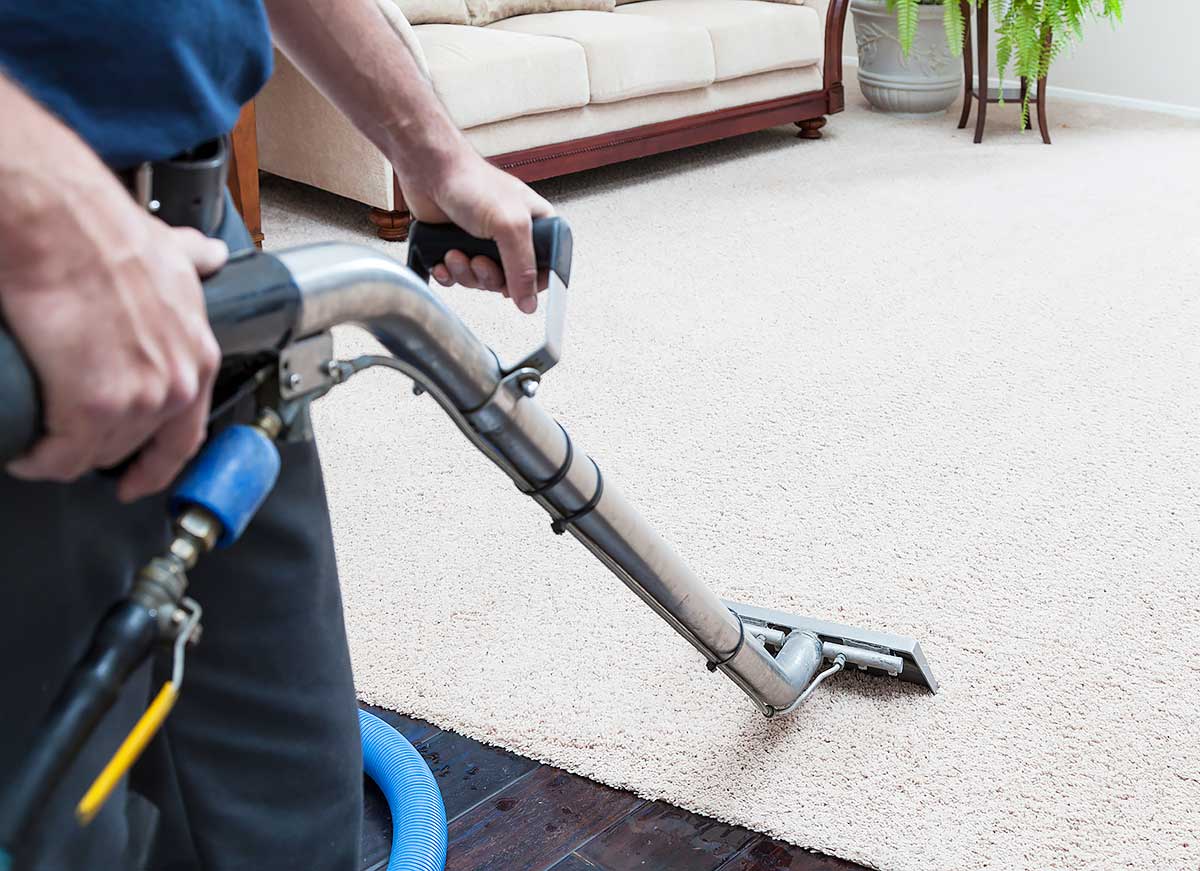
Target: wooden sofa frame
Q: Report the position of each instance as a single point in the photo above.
(807, 111)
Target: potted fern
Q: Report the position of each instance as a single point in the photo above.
(1030, 34)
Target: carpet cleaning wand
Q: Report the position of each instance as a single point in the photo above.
(776, 658)
(284, 305)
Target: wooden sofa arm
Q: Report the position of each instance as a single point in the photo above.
(833, 13)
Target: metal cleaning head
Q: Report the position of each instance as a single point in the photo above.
(879, 653)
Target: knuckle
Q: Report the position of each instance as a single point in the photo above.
(182, 388)
(517, 222)
(209, 356)
(187, 240)
(524, 279)
(150, 397)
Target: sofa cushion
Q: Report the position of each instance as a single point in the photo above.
(483, 12)
(484, 75)
(627, 56)
(748, 36)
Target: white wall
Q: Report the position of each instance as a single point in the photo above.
(1153, 56)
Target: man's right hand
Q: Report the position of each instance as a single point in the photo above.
(106, 302)
(123, 352)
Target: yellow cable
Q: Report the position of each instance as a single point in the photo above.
(127, 754)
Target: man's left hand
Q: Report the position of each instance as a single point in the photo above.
(491, 204)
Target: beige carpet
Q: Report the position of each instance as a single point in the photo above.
(891, 379)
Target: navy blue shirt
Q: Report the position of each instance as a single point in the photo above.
(138, 79)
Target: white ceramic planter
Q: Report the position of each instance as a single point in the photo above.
(923, 84)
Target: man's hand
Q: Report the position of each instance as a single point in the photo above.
(106, 302)
(489, 203)
(124, 356)
(351, 53)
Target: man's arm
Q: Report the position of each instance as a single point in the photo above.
(350, 52)
(106, 302)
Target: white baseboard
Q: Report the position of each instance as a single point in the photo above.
(1091, 97)
(1124, 102)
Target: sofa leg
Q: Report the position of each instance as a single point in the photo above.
(810, 128)
(391, 226)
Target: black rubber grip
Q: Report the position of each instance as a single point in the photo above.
(252, 306)
(253, 303)
(428, 245)
(20, 403)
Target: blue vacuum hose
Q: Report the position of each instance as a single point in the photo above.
(418, 815)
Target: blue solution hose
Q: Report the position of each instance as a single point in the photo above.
(418, 815)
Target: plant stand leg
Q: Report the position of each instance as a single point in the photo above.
(967, 65)
(810, 128)
(981, 54)
(1043, 123)
(1025, 121)
(391, 226)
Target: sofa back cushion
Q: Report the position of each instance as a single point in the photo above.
(482, 12)
(748, 36)
(429, 11)
(628, 56)
(484, 75)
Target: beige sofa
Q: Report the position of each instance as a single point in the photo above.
(547, 93)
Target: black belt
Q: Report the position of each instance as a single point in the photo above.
(187, 190)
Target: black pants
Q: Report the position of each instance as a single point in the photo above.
(259, 766)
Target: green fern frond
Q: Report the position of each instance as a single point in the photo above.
(952, 20)
(907, 16)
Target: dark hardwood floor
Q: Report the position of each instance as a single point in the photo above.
(509, 813)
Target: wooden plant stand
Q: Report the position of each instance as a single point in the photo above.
(980, 91)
